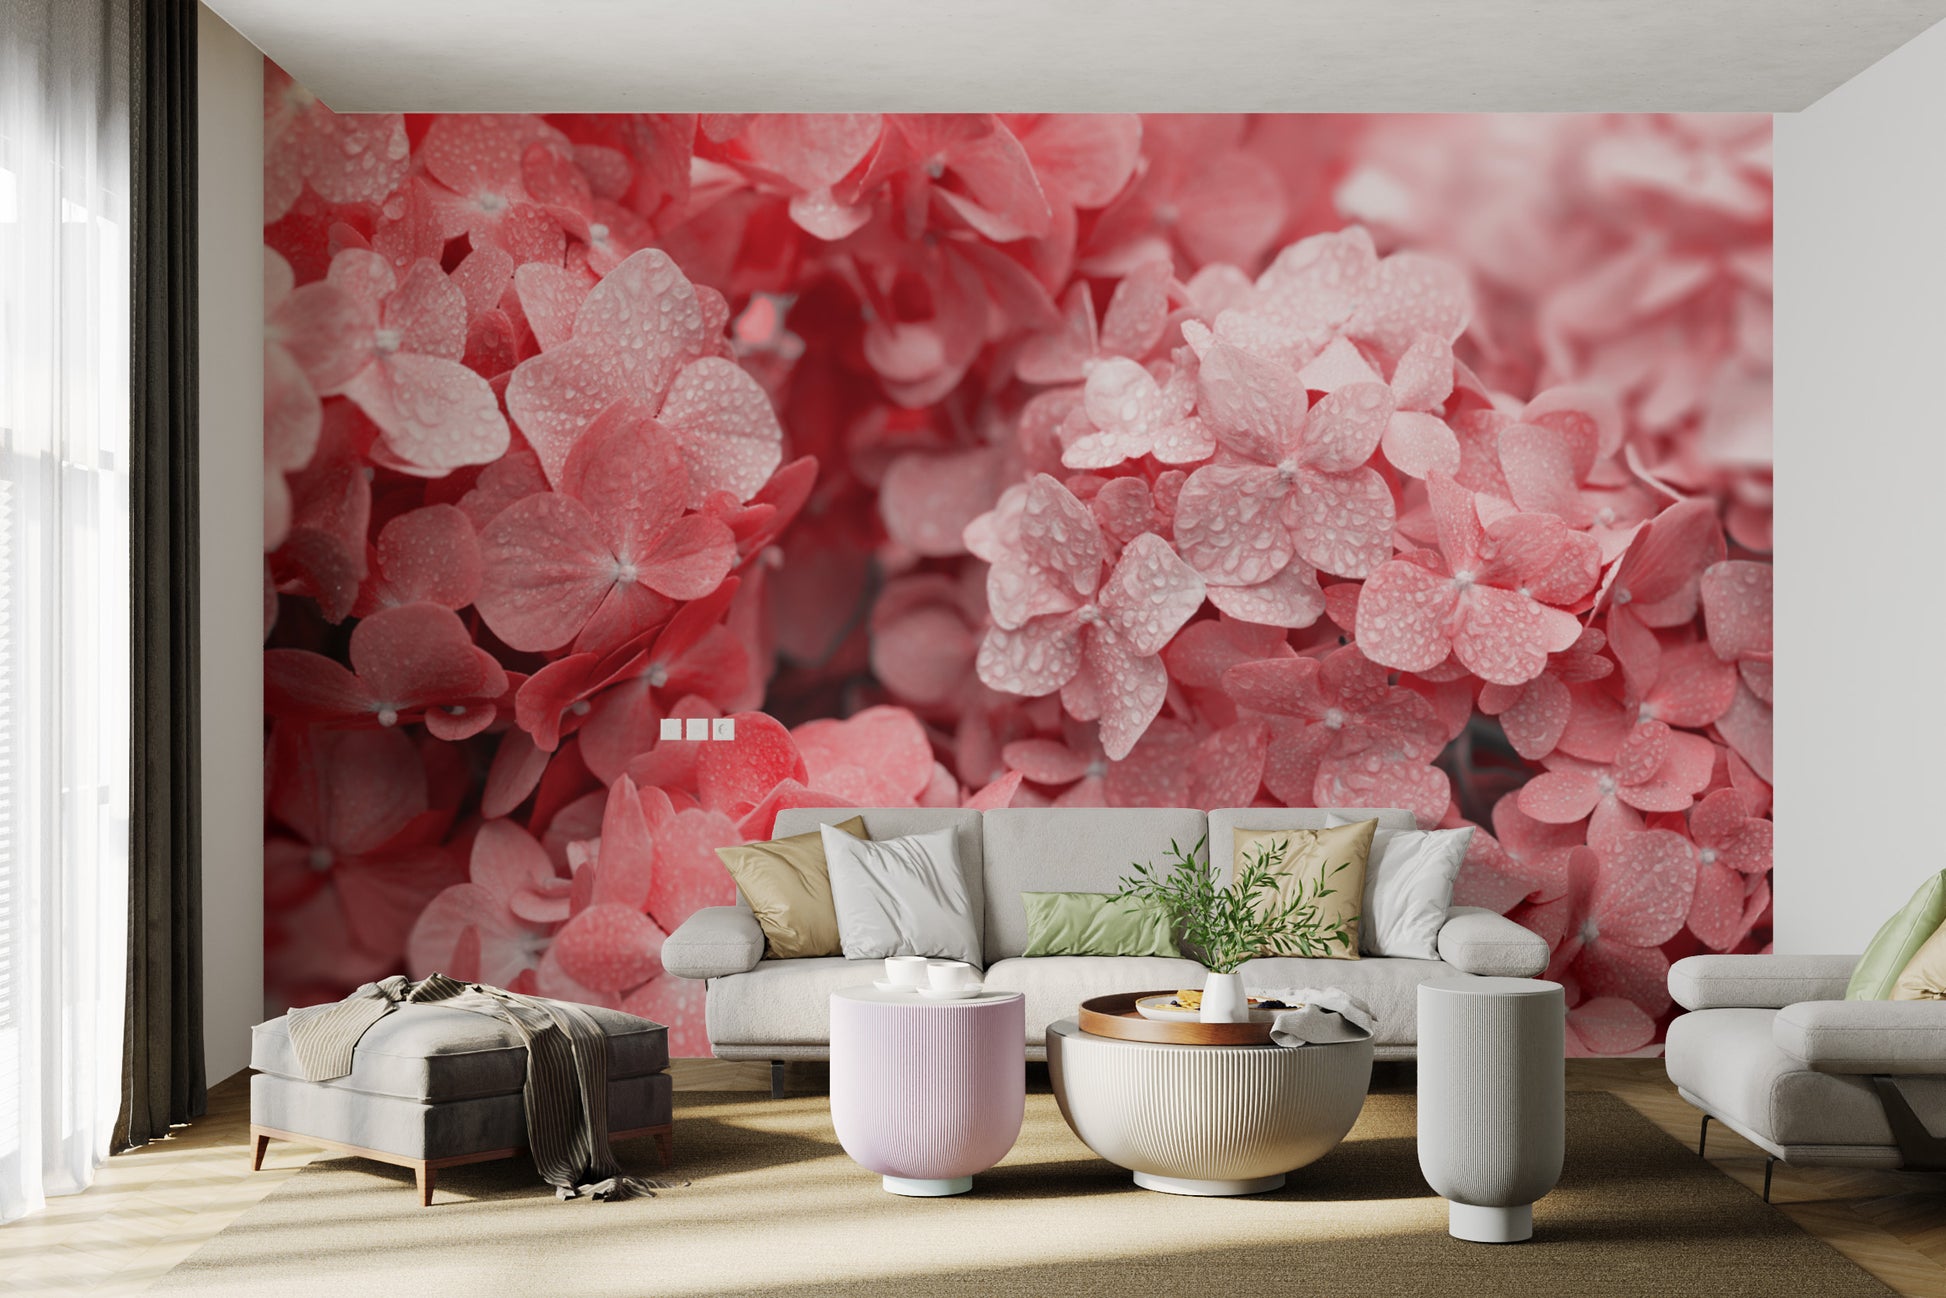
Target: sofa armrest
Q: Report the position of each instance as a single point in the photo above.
(714, 942)
(1758, 982)
(1902, 1037)
(1475, 940)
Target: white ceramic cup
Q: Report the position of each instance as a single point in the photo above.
(905, 970)
(952, 976)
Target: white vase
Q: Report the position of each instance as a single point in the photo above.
(1223, 999)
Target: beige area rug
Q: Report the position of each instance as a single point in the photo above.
(775, 1208)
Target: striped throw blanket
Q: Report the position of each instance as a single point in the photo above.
(566, 1092)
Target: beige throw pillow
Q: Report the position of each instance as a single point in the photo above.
(1924, 976)
(1338, 855)
(789, 889)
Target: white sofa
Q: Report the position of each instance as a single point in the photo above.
(1771, 1049)
(779, 1009)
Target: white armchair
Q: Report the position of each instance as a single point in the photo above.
(1771, 1050)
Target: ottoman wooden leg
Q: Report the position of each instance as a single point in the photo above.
(259, 1143)
(424, 1174)
(665, 1147)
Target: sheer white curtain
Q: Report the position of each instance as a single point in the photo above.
(64, 589)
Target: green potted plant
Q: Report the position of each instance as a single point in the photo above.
(1261, 910)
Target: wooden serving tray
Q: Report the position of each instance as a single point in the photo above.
(1115, 1016)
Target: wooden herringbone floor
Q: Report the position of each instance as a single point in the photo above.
(150, 1209)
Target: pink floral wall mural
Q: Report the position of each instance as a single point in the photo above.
(1006, 460)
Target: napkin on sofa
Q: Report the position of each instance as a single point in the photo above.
(1323, 1015)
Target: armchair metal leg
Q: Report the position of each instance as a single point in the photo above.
(1770, 1165)
(1702, 1137)
(776, 1079)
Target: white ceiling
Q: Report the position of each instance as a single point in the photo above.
(1113, 55)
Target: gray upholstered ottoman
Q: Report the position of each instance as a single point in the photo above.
(432, 1086)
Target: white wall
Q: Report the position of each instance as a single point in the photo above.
(229, 103)
(1861, 499)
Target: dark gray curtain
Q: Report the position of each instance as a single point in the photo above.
(162, 1058)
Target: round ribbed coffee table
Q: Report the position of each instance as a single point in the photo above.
(927, 1093)
(1207, 1120)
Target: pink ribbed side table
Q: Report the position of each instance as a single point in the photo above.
(926, 1093)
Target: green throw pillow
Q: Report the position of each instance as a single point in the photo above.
(1088, 923)
(1893, 948)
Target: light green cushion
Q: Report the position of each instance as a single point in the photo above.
(1894, 946)
(1088, 923)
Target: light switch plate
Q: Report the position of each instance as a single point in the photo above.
(671, 728)
(723, 728)
(696, 728)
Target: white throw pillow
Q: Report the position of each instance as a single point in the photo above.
(1408, 889)
(900, 896)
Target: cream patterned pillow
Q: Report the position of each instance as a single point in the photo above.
(1330, 861)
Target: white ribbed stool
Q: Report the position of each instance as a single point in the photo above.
(927, 1093)
(1492, 1100)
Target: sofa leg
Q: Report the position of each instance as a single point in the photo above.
(258, 1145)
(424, 1176)
(1770, 1165)
(776, 1079)
(1703, 1136)
(1919, 1149)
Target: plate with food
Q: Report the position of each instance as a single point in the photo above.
(1187, 1007)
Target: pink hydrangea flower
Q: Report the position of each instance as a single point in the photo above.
(1736, 598)
(604, 554)
(1537, 852)
(1138, 312)
(1297, 487)
(353, 840)
(1079, 773)
(879, 757)
(1657, 582)
(1128, 411)
(396, 353)
(1608, 1025)
(969, 164)
(495, 927)
(1493, 596)
(1060, 625)
(931, 305)
(324, 554)
(476, 160)
(1536, 715)
(592, 934)
(1358, 740)
(804, 155)
(357, 158)
(413, 662)
(928, 498)
(1203, 197)
(642, 337)
(607, 232)
(1656, 769)
(431, 554)
(1689, 685)
(293, 415)
(1733, 859)
(624, 693)
(926, 630)
(1333, 286)
(1620, 907)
